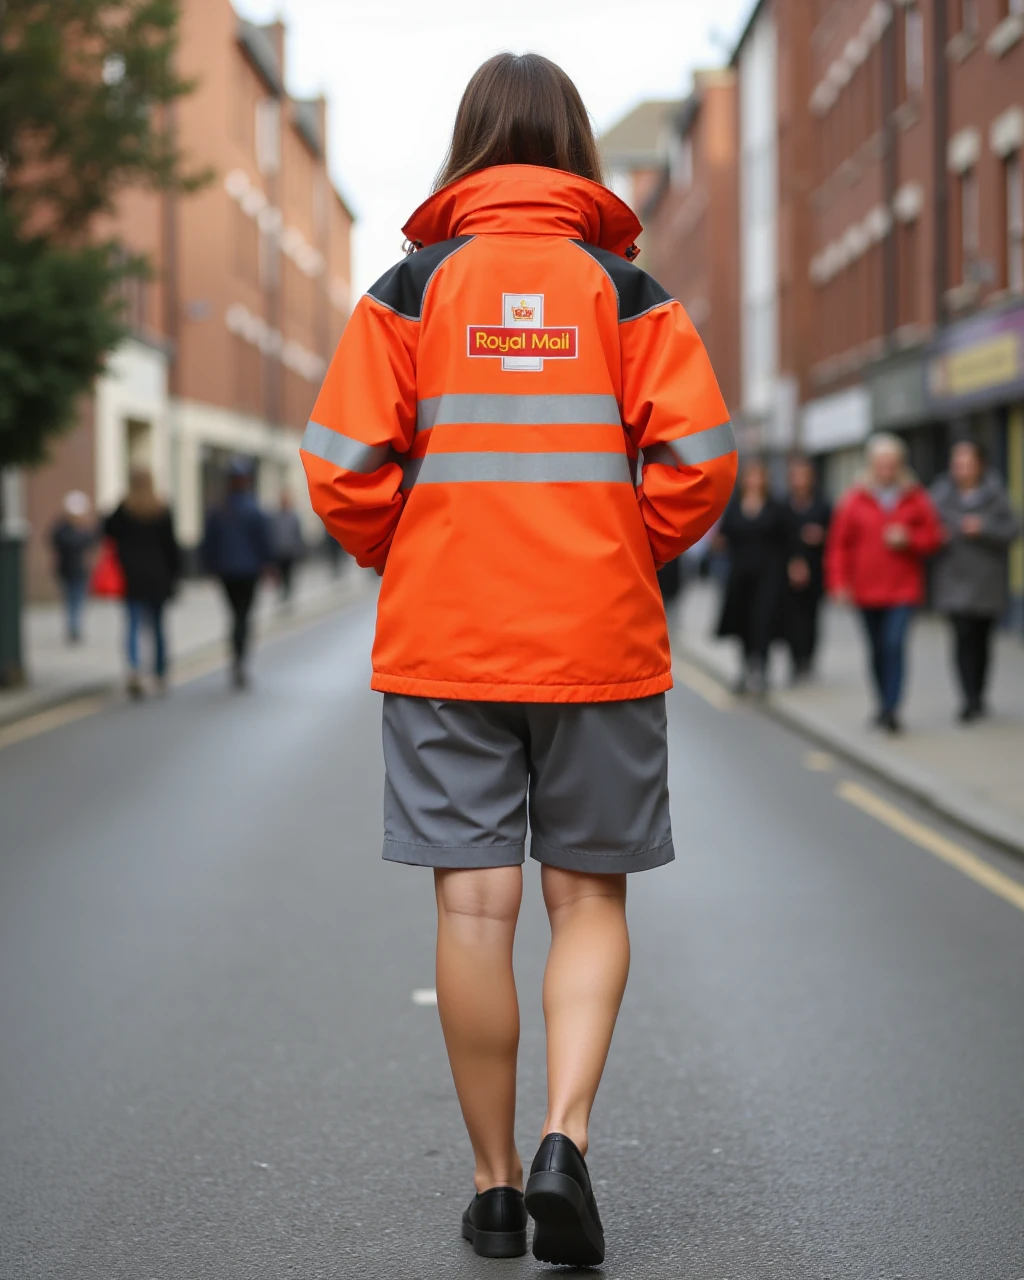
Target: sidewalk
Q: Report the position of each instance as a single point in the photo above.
(196, 625)
(973, 774)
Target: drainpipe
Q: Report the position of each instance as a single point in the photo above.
(940, 91)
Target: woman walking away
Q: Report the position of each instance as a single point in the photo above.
(143, 532)
(476, 442)
(883, 531)
(970, 577)
(72, 538)
(807, 518)
(754, 533)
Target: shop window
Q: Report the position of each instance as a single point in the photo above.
(1013, 180)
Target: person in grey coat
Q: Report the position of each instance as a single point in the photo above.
(969, 584)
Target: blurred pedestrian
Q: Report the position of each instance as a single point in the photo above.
(287, 543)
(72, 539)
(143, 534)
(883, 531)
(970, 580)
(237, 549)
(754, 533)
(808, 516)
(334, 553)
(521, 643)
(670, 582)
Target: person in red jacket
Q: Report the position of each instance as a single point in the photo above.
(884, 530)
(517, 429)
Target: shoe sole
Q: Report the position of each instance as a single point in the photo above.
(566, 1233)
(495, 1244)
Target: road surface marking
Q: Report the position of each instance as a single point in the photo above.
(969, 864)
(426, 997)
(819, 762)
(703, 685)
(55, 718)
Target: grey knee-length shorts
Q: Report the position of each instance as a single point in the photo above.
(462, 777)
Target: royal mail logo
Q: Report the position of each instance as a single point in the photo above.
(523, 342)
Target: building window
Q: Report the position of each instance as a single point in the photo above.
(1013, 177)
(969, 17)
(970, 224)
(268, 135)
(681, 164)
(1015, 8)
(913, 49)
(907, 273)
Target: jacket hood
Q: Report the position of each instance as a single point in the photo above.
(525, 199)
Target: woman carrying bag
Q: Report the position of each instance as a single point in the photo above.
(142, 533)
(477, 442)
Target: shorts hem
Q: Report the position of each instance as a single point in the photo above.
(455, 857)
(603, 863)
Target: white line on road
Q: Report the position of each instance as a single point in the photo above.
(967, 863)
(426, 997)
(819, 762)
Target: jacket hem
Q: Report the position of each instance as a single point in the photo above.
(504, 691)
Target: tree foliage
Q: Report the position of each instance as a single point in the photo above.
(87, 90)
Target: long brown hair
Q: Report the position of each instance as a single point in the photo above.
(520, 108)
(142, 500)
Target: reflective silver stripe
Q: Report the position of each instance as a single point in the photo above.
(343, 451)
(518, 410)
(523, 468)
(691, 451)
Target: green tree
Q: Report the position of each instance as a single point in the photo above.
(87, 91)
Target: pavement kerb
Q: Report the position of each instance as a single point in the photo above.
(974, 816)
(313, 610)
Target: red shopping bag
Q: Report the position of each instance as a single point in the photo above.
(107, 574)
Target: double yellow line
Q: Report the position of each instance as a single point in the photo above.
(925, 837)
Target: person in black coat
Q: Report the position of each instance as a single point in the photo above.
(143, 533)
(808, 517)
(754, 533)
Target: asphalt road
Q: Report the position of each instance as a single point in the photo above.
(211, 1065)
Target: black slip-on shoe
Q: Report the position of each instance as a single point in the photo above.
(495, 1223)
(560, 1200)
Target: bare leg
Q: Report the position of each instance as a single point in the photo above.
(476, 998)
(583, 985)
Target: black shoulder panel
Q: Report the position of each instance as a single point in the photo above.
(402, 289)
(637, 291)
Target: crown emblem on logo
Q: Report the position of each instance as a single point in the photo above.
(523, 312)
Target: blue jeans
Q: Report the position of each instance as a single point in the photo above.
(142, 613)
(74, 601)
(887, 638)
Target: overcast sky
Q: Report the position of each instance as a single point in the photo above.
(394, 70)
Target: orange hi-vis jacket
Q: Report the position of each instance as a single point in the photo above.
(477, 440)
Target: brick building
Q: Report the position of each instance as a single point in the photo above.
(918, 232)
(772, 62)
(250, 292)
(691, 220)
